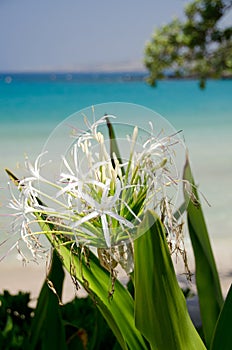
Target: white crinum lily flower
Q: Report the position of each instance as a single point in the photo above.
(98, 198)
(103, 209)
(95, 189)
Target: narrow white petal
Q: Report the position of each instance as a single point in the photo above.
(89, 200)
(67, 165)
(131, 211)
(105, 191)
(120, 219)
(105, 230)
(88, 217)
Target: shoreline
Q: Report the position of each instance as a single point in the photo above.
(94, 76)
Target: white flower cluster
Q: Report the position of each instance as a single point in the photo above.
(100, 197)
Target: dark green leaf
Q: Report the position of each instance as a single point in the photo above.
(207, 280)
(47, 330)
(114, 145)
(223, 336)
(160, 308)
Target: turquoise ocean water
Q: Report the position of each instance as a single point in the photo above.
(31, 106)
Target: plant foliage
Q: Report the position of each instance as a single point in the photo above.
(197, 47)
(151, 314)
(207, 280)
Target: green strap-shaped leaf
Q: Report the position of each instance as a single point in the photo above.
(223, 336)
(114, 145)
(207, 280)
(160, 308)
(118, 312)
(47, 331)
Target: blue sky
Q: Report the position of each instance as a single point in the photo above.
(79, 34)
